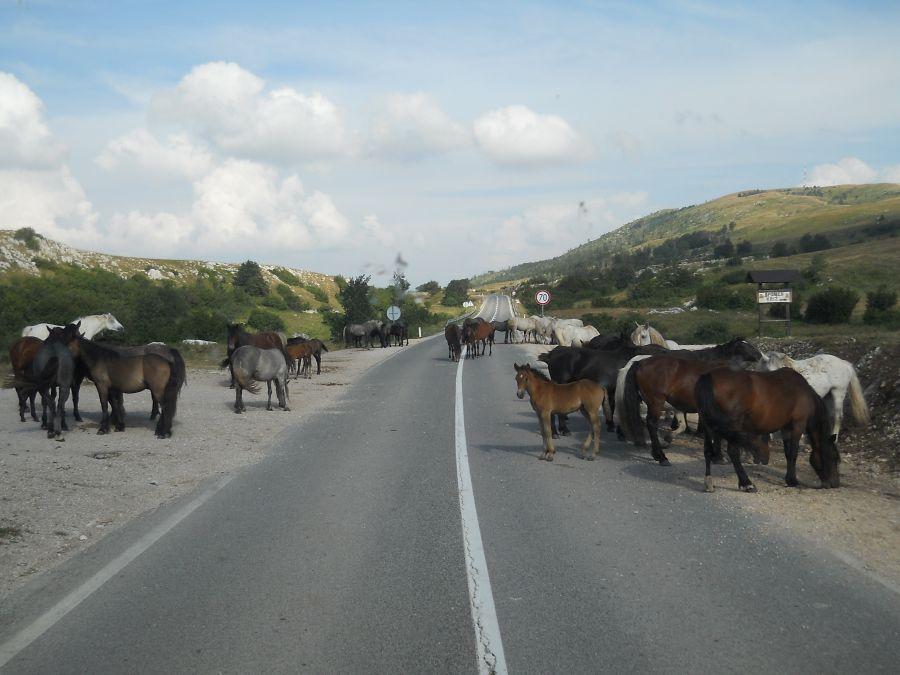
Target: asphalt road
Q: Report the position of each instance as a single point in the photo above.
(344, 552)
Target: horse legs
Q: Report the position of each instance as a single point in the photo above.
(281, 392)
(269, 387)
(593, 438)
(791, 440)
(549, 450)
(834, 403)
(238, 399)
(117, 403)
(23, 403)
(103, 393)
(608, 411)
(712, 453)
(77, 379)
(654, 410)
(744, 482)
(318, 356)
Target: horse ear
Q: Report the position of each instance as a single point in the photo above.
(646, 324)
(637, 324)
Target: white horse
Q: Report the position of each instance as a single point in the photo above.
(90, 326)
(831, 378)
(524, 324)
(574, 336)
(543, 326)
(646, 334)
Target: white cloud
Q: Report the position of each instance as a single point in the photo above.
(376, 231)
(230, 107)
(25, 139)
(517, 135)
(549, 230)
(414, 126)
(851, 170)
(141, 151)
(50, 201)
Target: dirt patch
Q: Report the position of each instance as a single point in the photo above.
(860, 521)
(57, 498)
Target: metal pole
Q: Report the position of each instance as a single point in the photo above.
(788, 313)
(758, 312)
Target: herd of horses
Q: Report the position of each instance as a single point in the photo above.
(741, 395)
(53, 361)
(385, 333)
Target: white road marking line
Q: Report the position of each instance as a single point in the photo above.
(10, 649)
(481, 599)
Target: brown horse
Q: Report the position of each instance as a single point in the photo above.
(317, 348)
(115, 373)
(477, 331)
(238, 337)
(451, 334)
(21, 354)
(548, 397)
(658, 380)
(302, 352)
(740, 406)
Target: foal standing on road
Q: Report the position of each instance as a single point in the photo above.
(548, 398)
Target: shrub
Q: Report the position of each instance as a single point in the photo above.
(318, 293)
(781, 249)
(724, 297)
(261, 319)
(29, 237)
(880, 308)
(286, 276)
(735, 277)
(711, 332)
(457, 292)
(429, 287)
(290, 299)
(833, 305)
(817, 242)
(274, 302)
(249, 278)
(724, 250)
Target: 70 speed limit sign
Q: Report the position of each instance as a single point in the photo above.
(542, 297)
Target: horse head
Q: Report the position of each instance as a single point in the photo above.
(522, 373)
(112, 323)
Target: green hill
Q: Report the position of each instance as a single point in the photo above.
(847, 215)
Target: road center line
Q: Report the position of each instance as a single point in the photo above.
(481, 599)
(48, 619)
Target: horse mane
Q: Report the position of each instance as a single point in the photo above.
(821, 422)
(538, 373)
(95, 349)
(656, 338)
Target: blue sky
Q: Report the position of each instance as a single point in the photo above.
(466, 136)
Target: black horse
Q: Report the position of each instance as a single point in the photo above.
(51, 373)
(502, 326)
(567, 364)
(397, 332)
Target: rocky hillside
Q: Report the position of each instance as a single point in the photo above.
(28, 252)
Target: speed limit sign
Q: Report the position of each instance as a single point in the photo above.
(542, 297)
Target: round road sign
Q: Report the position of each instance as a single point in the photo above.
(542, 297)
(393, 312)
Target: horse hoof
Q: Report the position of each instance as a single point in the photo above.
(51, 434)
(795, 483)
(554, 435)
(664, 462)
(549, 458)
(78, 418)
(61, 438)
(287, 409)
(101, 432)
(565, 432)
(748, 488)
(708, 484)
(590, 458)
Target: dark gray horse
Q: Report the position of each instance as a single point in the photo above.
(359, 333)
(251, 365)
(51, 373)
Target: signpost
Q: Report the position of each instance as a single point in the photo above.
(542, 298)
(393, 312)
(768, 296)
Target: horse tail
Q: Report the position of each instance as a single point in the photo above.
(857, 401)
(346, 335)
(180, 368)
(714, 419)
(225, 362)
(628, 404)
(324, 348)
(246, 382)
